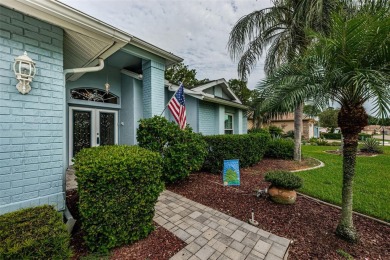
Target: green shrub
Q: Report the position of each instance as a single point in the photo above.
(283, 179)
(118, 187)
(258, 131)
(371, 145)
(333, 136)
(280, 148)
(289, 134)
(275, 131)
(247, 148)
(363, 136)
(321, 141)
(183, 151)
(34, 233)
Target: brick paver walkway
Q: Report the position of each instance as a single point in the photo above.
(211, 234)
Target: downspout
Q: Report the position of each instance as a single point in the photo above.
(84, 70)
(70, 221)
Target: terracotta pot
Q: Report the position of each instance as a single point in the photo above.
(282, 196)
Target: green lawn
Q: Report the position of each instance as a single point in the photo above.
(371, 183)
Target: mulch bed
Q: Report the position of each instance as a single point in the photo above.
(159, 245)
(308, 223)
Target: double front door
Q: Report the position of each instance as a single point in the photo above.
(91, 127)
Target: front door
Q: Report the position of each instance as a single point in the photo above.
(91, 127)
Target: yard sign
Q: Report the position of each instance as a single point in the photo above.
(231, 172)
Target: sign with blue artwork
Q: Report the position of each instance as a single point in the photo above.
(231, 172)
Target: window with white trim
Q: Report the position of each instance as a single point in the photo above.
(228, 123)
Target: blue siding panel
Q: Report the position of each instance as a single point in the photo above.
(153, 88)
(208, 118)
(31, 135)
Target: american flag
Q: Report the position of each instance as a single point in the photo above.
(178, 108)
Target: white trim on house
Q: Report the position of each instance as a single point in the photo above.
(132, 74)
(199, 94)
(95, 124)
(189, 92)
(223, 84)
(224, 126)
(66, 17)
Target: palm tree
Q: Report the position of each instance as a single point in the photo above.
(349, 66)
(281, 29)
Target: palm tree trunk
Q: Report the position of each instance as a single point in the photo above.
(351, 119)
(345, 228)
(298, 114)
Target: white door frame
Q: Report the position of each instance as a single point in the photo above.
(95, 126)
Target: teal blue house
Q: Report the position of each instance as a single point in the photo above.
(93, 83)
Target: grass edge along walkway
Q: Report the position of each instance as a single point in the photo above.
(370, 184)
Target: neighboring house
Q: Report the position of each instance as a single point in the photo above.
(376, 129)
(286, 122)
(93, 84)
(212, 108)
(372, 129)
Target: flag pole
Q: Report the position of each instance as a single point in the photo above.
(171, 98)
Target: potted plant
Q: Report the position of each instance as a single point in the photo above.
(283, 185)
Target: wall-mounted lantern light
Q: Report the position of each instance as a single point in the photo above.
(24, 68)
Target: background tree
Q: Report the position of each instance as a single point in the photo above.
(349, 66)
(181, 73)
(240, 89)
(281, 30)
(328, 118)
(311, 110)
(372, 120)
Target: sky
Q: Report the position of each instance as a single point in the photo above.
(197, 31)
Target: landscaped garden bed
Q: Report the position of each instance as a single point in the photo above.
(309, 223)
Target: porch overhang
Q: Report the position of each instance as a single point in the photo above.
(85, 38)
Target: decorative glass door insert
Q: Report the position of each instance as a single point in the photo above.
(107, 128)
(82, 122)
(90, 127)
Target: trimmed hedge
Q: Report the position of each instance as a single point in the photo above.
(362, 136)
(258, 131)
(280, 148)
(183, 151)
(248, 148)
(333, 136)
(118, 187)
(34, 233)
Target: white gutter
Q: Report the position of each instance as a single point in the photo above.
(66, 17)
(189, 92)
(205, 96)
(132, 74)
(225, 102)
(85, 70)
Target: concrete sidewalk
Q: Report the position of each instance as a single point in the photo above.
(211, 234)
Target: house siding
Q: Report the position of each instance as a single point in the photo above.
(244, 123)
(31, 125)
(153, 88)
(192, 112)
(208, 118)
(131, 111)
